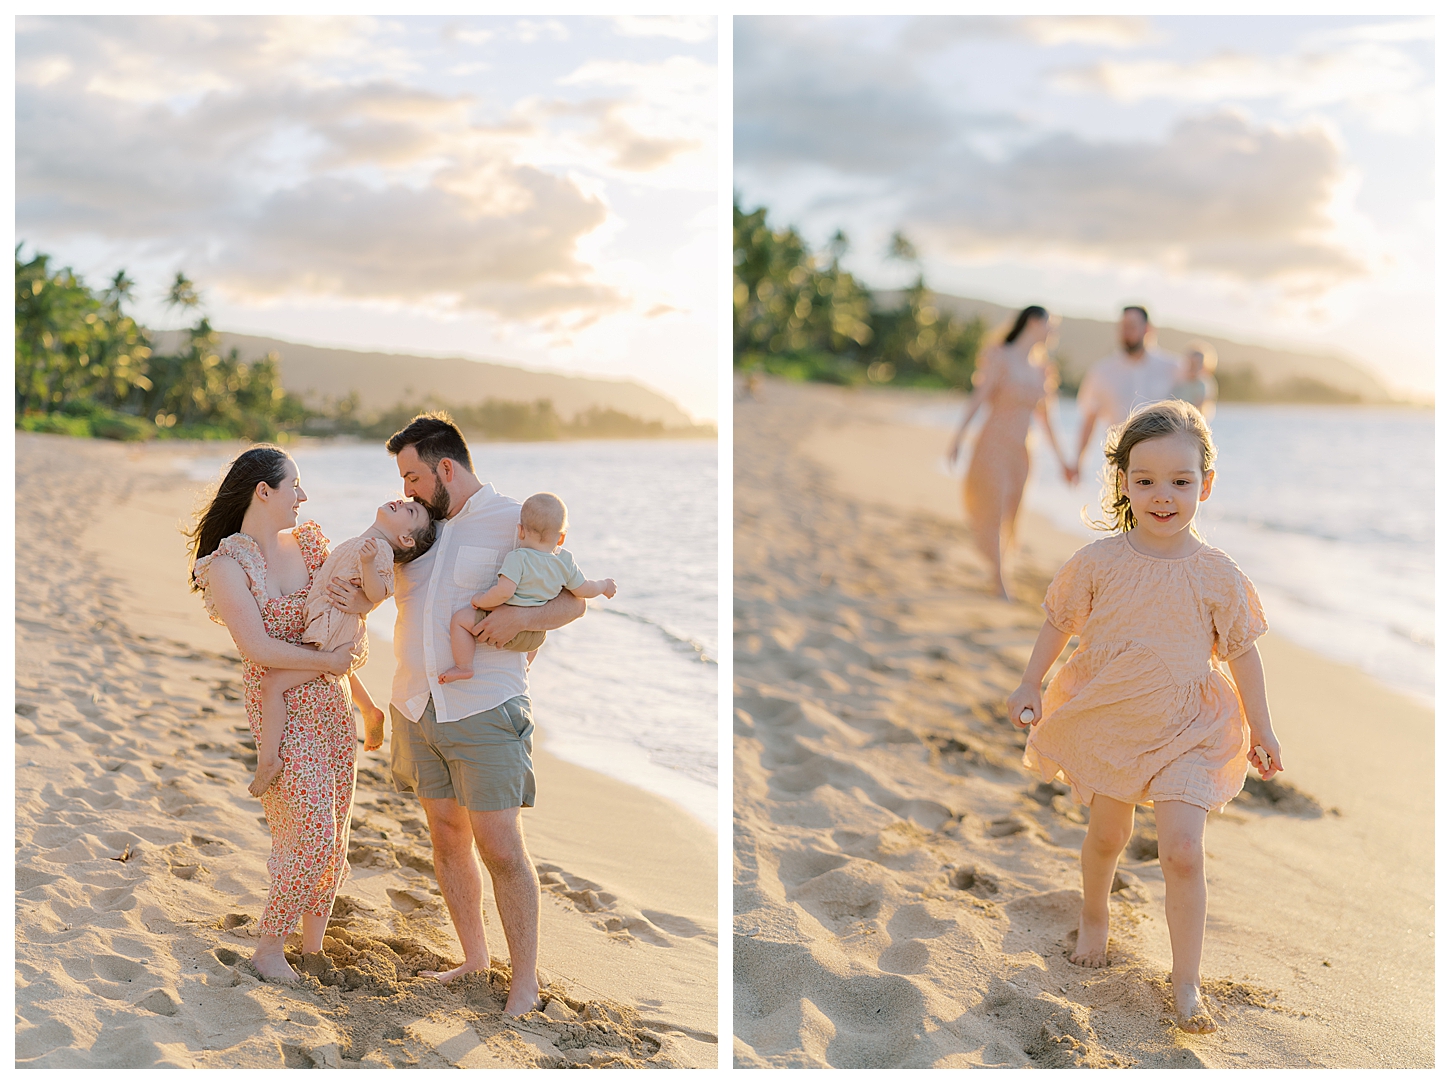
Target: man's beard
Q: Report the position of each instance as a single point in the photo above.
(440, 504)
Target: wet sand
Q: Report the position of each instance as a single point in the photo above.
(906, 894)
(140, 867)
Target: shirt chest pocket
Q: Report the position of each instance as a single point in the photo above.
(476, 568)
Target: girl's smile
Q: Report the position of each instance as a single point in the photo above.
(1164, 485)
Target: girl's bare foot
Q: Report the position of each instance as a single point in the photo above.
(267, 771)
(1092, 943)
(1191, 1014)
(454, 673)
(372, 728)
(465, 968)
(274, 966)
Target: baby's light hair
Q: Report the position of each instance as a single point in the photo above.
(1205, 351)
(544, 514)
(1163, 419)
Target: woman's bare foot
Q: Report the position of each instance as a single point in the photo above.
(372, 728)
(522, 1001)
(454, 673)
(1092, 943)
(274, 967)
(267, 771)
(1190, 1013)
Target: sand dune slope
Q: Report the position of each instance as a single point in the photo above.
(140, 862)
(904, 894)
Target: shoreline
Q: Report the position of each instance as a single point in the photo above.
(907, 892)
(128, 729)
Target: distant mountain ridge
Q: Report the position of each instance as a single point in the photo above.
(320, 375)
(1082, 342)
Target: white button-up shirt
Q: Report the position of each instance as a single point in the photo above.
(1117, 385)
(464, 560)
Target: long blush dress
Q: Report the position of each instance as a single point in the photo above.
(309, 806)
(998, 470)
(1144, 709)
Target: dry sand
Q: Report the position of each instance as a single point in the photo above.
(905, 894)
(140, 860)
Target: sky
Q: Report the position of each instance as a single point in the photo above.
(1266, 178)
(540, 191)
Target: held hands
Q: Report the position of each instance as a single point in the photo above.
(1070, 473)
(1024, 699)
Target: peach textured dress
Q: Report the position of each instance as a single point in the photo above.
(1144, 709)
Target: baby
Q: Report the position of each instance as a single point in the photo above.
(402, 532)
(1198, 386)
(530, 575)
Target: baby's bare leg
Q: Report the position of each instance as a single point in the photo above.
(461, 637)
(1110, 825)
(275, 685)
(1180, 853)
(371, 713)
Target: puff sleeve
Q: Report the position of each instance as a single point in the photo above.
(242, 549)
(1238, 616)
(312, 542)
(1069, 598)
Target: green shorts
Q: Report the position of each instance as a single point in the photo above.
(483, 762)
(527, 640)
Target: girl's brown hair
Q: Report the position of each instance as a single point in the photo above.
(1146, 423)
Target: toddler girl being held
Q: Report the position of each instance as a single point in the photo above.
(1143, 711)
(402, 532)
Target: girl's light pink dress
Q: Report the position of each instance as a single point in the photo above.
(1144, 710)
(309, 807)
(327, 626)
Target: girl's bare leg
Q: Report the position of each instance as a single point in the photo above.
(1180, 853)
(371, 713)
(275, 684)
(461, 639)
(1110, 825)
(313, 927)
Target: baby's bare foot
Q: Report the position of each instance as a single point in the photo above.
(1190, 1013)
(267, 771)
(1092, 943)
(372, 728)
(454, 673)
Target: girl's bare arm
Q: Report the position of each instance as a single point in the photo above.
(1050, 642)
(1248, 672)
(372, 582)
(238, 608)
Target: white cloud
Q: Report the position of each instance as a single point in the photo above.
(1377, 81)
(680, 27)
(1115, 31)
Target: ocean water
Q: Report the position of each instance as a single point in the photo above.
(1328, 509)
(631, 689)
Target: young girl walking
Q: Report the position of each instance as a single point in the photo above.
(1143, 710)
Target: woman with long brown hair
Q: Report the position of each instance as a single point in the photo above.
(254, 564)
(1015, 381)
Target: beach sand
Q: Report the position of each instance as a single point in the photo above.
(140, 861)
(905, 894)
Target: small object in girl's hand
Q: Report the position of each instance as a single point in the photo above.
(1264, 762)
(1027, 716)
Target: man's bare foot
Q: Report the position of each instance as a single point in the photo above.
(454, 673)
(267, 771)
(523, 1000)
(372, 728)
(465, 968)
(1092, 943)
(1190, 1013)
(274, 967)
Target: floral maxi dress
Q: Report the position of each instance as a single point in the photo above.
(309, 805)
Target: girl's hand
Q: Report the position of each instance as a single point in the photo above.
(1270, 745)
(369, 549)
(1025, 698)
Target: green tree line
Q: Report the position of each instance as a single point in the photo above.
(799, 314)
(85, 368)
